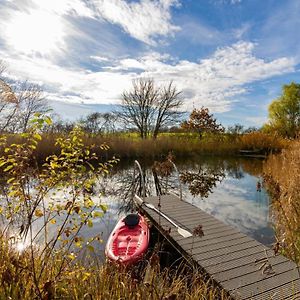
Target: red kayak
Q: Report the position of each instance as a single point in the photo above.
(129, 240)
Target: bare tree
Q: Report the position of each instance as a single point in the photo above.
(98, 123)
(18, 104)
(31, 101)
(8, 101)
(167, 112)
(148, 108)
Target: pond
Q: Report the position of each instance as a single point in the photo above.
(229, 189)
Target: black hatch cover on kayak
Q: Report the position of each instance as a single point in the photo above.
(132, 220)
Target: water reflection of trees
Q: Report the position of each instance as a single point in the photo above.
(200, 175)
(202, 181)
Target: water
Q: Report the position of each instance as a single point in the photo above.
(233, 193)
(225, 188)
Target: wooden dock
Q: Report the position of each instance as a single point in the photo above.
(245, 268)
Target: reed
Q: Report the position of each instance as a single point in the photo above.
(282, 177)
(97, 281)
(181, 145)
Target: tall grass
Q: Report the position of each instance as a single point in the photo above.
(282, 178)
(182, 145)
(98, 281)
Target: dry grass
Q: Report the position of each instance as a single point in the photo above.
(104, 281)
(182, 145)
(264, 142)
(282, 177)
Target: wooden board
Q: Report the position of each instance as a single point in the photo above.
(234, 260)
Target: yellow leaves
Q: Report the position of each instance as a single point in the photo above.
(2, 163)
(48, 120)
(104, 207)
(37, 136)
(85, 276)
(8, 168)
(13, 193)
(72, 256)
(104, 147)
(53, 221)
(38, 213)
(10, 180)
(90, 223)
(54, 164)
(78, 241)
(88, 202)
(97, 214)
(1, 209)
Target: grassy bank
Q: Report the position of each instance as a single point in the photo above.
(282, 178)
(95, 281)
(182, 145)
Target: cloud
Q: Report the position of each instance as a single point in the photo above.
(236, 203)
(65, 7)
(39, 27)
(215, 82)
(143, 20)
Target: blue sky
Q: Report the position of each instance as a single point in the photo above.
(232, 56)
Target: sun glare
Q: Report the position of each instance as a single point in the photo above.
(37, 31)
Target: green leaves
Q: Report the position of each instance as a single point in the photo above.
(284, 112)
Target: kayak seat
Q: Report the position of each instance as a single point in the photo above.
(132, 220)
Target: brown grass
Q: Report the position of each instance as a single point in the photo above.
(282, 177)
(182, 145)
(98, 281)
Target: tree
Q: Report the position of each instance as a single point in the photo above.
(284, 112)
(236, 129)
(8, 101)
(19, 103)
(31, 101)
(202, 121)
(167, 108)
(96, 122)
(148, 108)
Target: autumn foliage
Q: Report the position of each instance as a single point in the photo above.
(202, 121)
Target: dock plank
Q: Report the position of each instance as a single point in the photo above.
(230, 257)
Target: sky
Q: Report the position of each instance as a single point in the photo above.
(232, 56)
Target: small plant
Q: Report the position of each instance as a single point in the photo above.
(197, 231)
(46, 206)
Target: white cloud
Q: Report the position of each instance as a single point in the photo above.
(214, 82)
(236, 203)
(34, 31)
(40, 27)
(99, 58)
(63, 7)
(143, 20)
